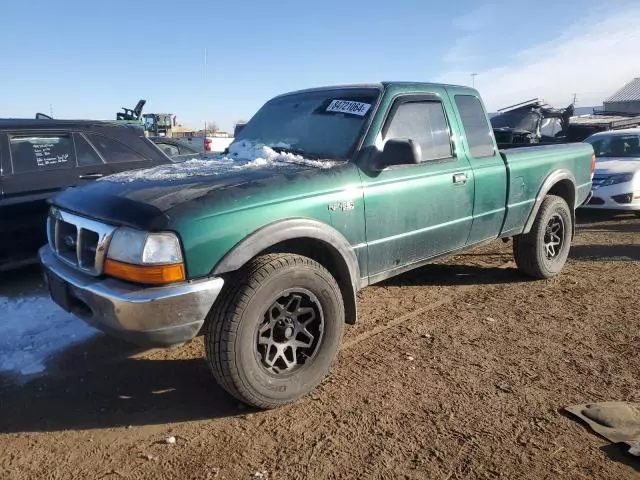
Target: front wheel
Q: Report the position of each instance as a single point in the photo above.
(543, 251)
(274, 333)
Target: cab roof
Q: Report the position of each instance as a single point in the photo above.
(10, 123)
(380, 86)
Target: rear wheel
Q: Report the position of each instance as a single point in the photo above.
(275, 331)
(543, 251)
(637, 212)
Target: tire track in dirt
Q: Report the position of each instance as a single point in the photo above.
(458, 291)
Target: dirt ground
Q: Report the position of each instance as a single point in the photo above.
(456, 370)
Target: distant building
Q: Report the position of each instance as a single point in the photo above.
(626, 100)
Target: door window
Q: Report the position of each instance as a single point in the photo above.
(85, 153)
(169, 150)
(476, 126)
(33, 153)
(424, 123)
(113, 151)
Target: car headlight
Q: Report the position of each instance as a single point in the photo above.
(145, 257)
(618, 178)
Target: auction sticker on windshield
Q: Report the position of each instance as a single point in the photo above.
(349, 106)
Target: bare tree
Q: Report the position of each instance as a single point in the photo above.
(212, 127)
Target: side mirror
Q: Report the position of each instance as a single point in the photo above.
(397, 151)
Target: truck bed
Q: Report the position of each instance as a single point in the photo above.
(527, 169)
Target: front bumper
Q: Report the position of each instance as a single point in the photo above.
(604, 198)
(149, 316)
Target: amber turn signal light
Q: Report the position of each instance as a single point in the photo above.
(145, 273)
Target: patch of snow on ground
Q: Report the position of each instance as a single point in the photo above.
(33, 328)
(242, 155)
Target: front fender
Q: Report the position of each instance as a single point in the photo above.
(332, 241)
(282, 230)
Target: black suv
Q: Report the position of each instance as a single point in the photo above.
(38, 158)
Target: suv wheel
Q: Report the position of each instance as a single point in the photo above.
(543, 251)
(273, 334)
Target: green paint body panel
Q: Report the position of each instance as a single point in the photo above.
(398, 217)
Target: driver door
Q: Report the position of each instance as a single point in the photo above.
(414, 212)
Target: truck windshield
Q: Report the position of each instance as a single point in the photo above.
(517, 119)
(323, 123)
(616, 145)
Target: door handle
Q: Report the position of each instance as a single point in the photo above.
(460, 178)
(89, 176)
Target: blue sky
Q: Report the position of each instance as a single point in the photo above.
(88, 59)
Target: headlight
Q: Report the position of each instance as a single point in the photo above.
(145, 257)
(142, 248)
(619, 178)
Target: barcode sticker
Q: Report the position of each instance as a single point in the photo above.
(348, 106)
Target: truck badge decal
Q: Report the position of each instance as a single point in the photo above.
(344, 206)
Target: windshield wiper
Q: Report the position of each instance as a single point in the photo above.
(297, 151)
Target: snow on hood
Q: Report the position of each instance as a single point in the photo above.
(613, 165)
(242, 155)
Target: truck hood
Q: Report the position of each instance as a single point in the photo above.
(614, 165)
(148, 198)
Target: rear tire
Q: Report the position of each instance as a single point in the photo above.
(637, 212)
(543, 251)
(273, 334)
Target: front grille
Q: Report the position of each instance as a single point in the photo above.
(78, 241)
(596, 201)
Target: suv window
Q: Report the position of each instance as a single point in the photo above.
(111, 150)
(168, 149)
(85, 153)
(476, 126)
(33, 153)
(424, 123)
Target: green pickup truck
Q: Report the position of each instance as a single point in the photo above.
(324, 192)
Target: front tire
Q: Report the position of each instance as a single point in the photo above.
(543, 251)
(274, 333)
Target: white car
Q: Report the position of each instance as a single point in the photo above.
(616, 181)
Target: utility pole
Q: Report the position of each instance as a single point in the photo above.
(205, 89)
(473, 79)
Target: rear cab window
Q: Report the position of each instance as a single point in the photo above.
(476, 126)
